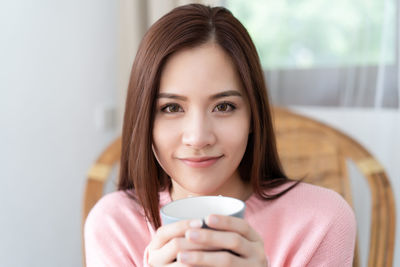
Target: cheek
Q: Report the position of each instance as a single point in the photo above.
(234, 133)
(164, 136)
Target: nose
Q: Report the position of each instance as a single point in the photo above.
(198, 131)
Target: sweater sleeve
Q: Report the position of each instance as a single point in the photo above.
(337, 246)
(115, 234)
(102, 247)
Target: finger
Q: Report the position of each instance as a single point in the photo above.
(177, 264)
(221, 240)
(233, 224)
(169, 251)
(206, 258)
(165, 233)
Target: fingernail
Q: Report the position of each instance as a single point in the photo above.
(183, 257)
(192, 235)
(196, 223)
(212, 220)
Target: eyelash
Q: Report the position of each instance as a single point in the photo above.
(230, 105)
(165, 108)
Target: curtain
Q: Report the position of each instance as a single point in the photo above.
(317, 54)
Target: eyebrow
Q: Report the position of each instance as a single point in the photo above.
(226, 93)
(216, 96)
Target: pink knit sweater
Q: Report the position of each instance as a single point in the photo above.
(308, 226)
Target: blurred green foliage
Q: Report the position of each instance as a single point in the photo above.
(315, 33)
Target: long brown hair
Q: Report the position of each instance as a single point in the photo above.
(185, 27)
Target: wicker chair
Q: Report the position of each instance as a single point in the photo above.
(307, 149)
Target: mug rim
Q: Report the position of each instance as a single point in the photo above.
(174, 218)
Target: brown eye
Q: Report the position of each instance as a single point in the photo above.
(172, 108)
(224, 107)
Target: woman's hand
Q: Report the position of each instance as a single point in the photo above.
(169, 240)
(233, 234)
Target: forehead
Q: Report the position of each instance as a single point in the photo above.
(203, 69)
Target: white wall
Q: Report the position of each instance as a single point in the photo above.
(57, 66)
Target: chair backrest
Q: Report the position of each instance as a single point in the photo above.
(310, 149)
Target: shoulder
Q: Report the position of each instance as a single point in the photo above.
(305, 203)
(323, 203)
(117, 208)
(318, 202)
(313, 196)
(114, 202)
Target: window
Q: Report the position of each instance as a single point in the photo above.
(340, 53)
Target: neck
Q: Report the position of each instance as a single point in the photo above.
(239, 190)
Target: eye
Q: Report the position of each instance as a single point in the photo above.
(224, 107)
(172, 108)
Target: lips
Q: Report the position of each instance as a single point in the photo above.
(200, 162)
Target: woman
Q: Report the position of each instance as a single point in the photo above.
(198, 122)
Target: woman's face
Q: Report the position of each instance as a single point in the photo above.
(202, 123)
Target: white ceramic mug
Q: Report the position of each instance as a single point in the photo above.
(200, 207)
